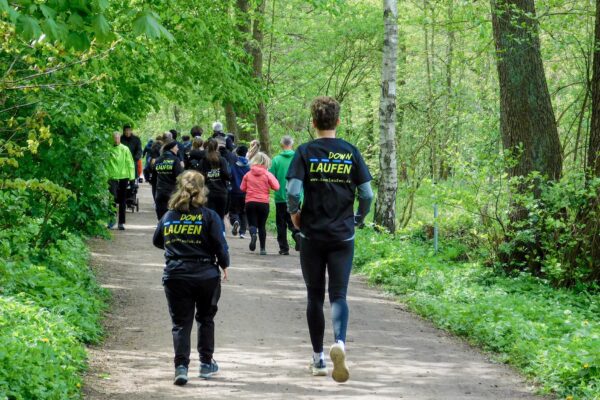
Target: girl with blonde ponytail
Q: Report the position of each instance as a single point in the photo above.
(190, 192)
(195, 247)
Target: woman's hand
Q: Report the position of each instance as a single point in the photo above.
(225, 275)
(296, 220)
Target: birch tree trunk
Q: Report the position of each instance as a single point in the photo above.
(385, 208)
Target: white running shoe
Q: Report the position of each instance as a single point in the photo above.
(318, 369)
(340, 371)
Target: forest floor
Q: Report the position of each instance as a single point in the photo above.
(262, 342)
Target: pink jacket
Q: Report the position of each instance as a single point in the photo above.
(257, 183)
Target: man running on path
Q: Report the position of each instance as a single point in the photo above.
(279, 168)
(330, 171)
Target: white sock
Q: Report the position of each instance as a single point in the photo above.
(341, 344)
(318, 356)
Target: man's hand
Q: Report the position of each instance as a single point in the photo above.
(296, 220)
(225, 275)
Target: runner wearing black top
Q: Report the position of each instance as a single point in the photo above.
(330, 171)
(195, 248)
(167, 167)
(216, 172)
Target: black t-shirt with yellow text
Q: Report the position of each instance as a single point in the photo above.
(331, 169)
(194, 243)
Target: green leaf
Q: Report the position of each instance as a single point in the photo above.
(147, 24)
(28, 27)
(4, 6)
(51, 29)
(47, 11)
(101, 28)
(103, 4)
(76, 20)
(78, 41)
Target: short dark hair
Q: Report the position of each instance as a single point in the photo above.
(242, 151)
(325, 112)
(173, 133)
(185, 138)
(126, 126)
(196, 131)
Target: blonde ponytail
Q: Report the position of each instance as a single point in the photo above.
(190, 193)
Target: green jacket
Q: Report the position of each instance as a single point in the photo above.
(120, 164)
(279, 168)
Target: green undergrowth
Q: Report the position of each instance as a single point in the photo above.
(552, 335)
(50, 305)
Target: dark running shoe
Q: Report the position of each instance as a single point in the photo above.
(208, 370)
(121, 227)
(284, 252)
(263, 252)
(181, 375)
(252, 245)
(236, 227)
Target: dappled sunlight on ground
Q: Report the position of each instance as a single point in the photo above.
(262, 342)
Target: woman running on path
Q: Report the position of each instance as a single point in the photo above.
(195, 248)
(256, 184)
(216, 173)
(330, 171)
(166, 168)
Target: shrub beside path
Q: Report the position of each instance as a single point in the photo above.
(262, 343)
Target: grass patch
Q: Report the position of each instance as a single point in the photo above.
(552, 335)
(50, 305)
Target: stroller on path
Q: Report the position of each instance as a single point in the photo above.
(132, 201)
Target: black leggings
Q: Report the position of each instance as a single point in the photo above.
(257, 219)
(218, 203)
(186, 297)
(316, 257)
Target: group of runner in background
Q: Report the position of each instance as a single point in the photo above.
(197, 181)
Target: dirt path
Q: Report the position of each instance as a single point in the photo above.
(262, 341)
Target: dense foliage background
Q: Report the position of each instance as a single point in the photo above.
(71, 72)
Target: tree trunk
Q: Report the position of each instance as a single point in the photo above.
(527, 122)
(385, 208)
(244, 25)
(177, 116)
(593, 152)
(257, 54)
(231, 119)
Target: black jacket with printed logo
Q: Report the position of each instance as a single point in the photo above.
(194, 244)
(167, 167)
(217, 177)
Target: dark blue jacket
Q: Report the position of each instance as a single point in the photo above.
(240, 168)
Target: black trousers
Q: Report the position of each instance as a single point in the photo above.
(284, 222)
(186, 297)
(317, 257)
(118, 189)
(218, 203)
(237, 212)
(161, 201)
(258, 213)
